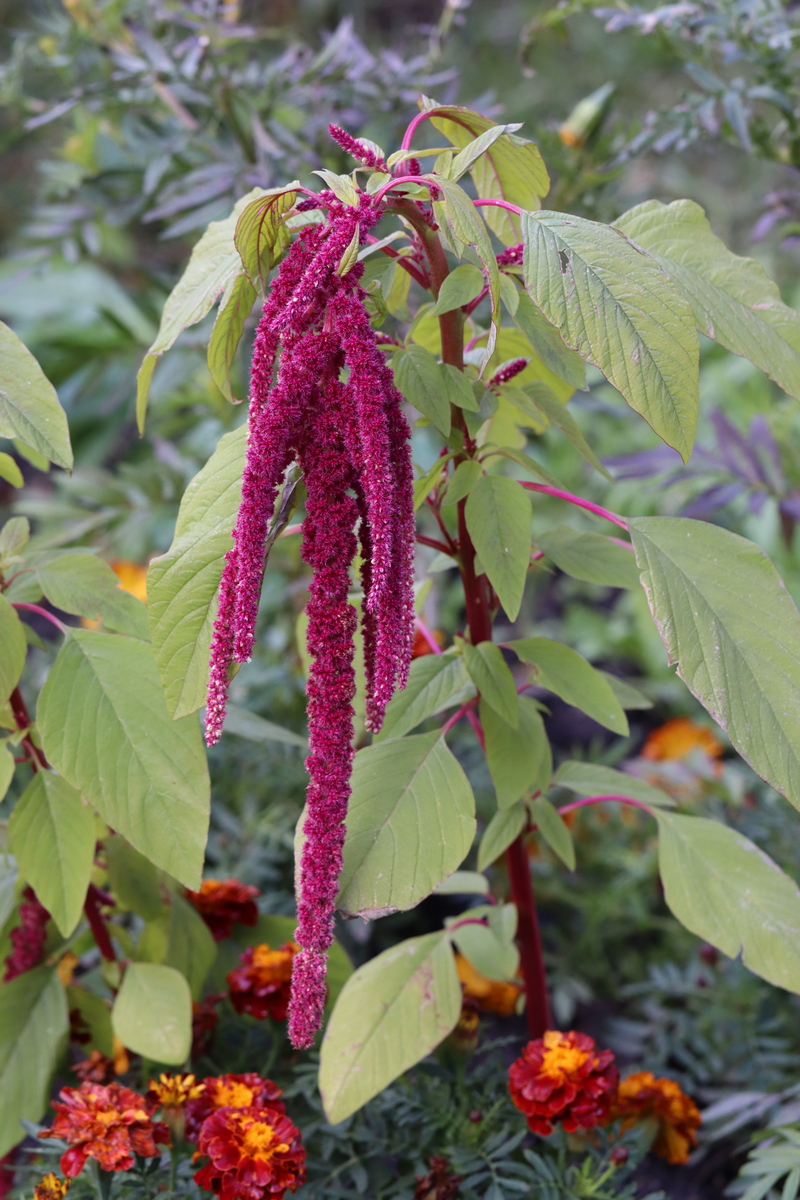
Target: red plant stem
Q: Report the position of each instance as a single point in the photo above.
(432, 542)
(456, 717)
(387, 187)
(33, 754)
(408, 136)
(97, 924)
(578, 501)
(429, 638)
(473, 304)
(571, 807)
(41, 612)
(499, 204)
(478, 600)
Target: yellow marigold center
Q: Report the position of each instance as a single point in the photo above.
(277, 963)
(51, 1188)
(259, 1142)
(173, 1091)
(233, 1095)
(560, 1058)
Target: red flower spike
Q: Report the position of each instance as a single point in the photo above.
(563, 1079)
(253, 1154)
(261, 985)
(222, 903)
(356, 149)
(230, 1091)
(507, 373)
(110, 1124)
(28, 938)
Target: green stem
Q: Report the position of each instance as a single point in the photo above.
(478, 602)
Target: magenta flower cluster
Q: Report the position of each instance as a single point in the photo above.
(322, 395)
(28, 939)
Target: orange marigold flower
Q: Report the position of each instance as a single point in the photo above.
(223, 902)
(261, 985)
(422, 646)
(109, 1124)
(253, 1153)
(678, 738)
(51, 1188)
(132, 577)
(490, 995)
(230, 1091)
(642, 1096)
(564, 1078)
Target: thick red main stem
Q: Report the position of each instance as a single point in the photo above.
(529, 939)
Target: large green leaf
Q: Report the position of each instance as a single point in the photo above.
(512, 169)
(493, 679)
(504, 828)
(261, 234)
(7, 768)
(554, 829)
(410, 824)
(182, 584)
(548, 344)
(213, 264)
(52, 836)
(190, 947)
(13, 649)
(590, 556)
(234, 309)
(436, 681)
(419, 377)
(463, 284)
(390, 1014)
(490, 948)
(498, 514)
(29, 406)
(733, 299)
(562, 670)
(86, 586)
(519, 759)
(132, 879)
(727, 620)
(152, 1014)
(106, 729)
(593, 779)
(727, 891)
(614, 305)
(33, 1035)
(8, 887)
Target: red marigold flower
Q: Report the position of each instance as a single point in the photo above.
(563, 1078)
(261, 985)
(253, 1153)
(642, 1096)
(51, 1188)
(109, 1124)
(223, 903)
(230, 1091)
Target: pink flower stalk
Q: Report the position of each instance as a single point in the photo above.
(351, 441)
(505, 374)
(356, 149)
(28, 938)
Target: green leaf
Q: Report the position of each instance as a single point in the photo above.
(8, 887)
(152, 1014)
(465, 476)
(614, 305)
(527, 463)
(548, 344)
(418, 377)
(95, 1013)
(553, 828)
(519, 760)
(235, 308)
(457, 388)
(342, 187)
(33, 1035)
(190, 947)
(410, 823)
(213, 265)
(463, 227)
(14, 537)
(463, 284)
(106, 729)
(512, 169)
(7, 769)
(13, 649)
(261, 234)
(726, 618)
(475, 149)
(52, 836)
(436, 682)
(733, 300)
(182, 584)
(504, 828)
(728, 892)
(29, 406)
(590, 556)
(86, 586)
(463, 881)
(498, 514)
(557, 414)
(10, 471)
(563, 671)
(390, 1014)
(629, 696)
(493, 679)
(132, 879)
(256, 729)
(491, 955)
(592, 779)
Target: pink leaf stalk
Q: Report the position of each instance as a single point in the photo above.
(351, 441)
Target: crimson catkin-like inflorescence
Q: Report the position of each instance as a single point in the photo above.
(351, 440)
